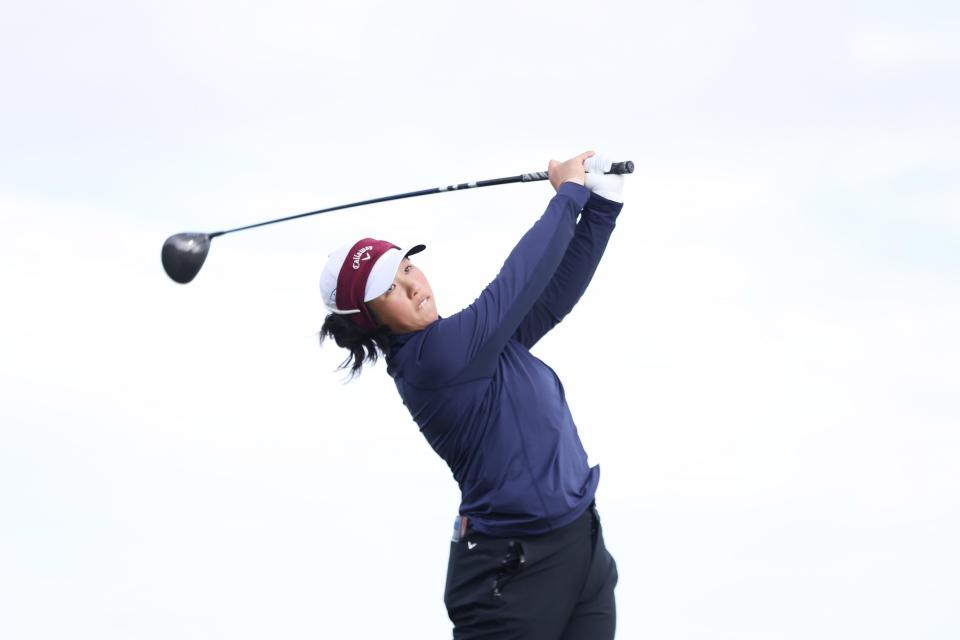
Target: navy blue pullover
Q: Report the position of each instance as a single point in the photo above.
(496, 414)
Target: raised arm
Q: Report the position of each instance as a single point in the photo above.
(467, 344)
(576, 269)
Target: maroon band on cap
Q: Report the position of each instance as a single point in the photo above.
(352, 280)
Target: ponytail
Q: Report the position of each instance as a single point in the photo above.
(364, 346)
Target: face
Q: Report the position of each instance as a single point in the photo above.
(408, 304)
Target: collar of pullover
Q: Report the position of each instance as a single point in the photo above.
(397, 340)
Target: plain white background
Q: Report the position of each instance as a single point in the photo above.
(765, 367)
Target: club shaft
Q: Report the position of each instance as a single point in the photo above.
(619, 167)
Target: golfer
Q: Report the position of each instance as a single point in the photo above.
(527, 558)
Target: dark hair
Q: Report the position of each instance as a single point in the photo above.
(364, 346)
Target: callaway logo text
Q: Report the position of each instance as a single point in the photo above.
(359, 255)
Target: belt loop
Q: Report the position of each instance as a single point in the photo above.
(595, 525)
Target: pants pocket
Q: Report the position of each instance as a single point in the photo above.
(478, 573)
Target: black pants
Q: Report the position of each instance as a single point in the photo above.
(556, 586)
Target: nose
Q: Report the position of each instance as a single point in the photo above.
(412, 287)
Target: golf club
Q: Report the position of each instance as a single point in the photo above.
(184, 253)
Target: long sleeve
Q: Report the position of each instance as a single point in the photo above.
(570, 280)
(467, 344)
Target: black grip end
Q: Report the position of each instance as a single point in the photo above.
(621, 167)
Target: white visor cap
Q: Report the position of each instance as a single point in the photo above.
(381, 275)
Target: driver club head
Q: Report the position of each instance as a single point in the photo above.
(183, 255)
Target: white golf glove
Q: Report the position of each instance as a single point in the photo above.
(604, 185)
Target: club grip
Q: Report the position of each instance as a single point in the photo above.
(621, 167)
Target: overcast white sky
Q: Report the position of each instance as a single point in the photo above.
(766, 366)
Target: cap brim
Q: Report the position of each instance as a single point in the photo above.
(414, 249)
(381, 276)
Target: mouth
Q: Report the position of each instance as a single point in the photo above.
(422, 303)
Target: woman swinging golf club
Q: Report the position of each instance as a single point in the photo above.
(527, 558)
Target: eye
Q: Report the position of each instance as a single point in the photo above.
(408, 268)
